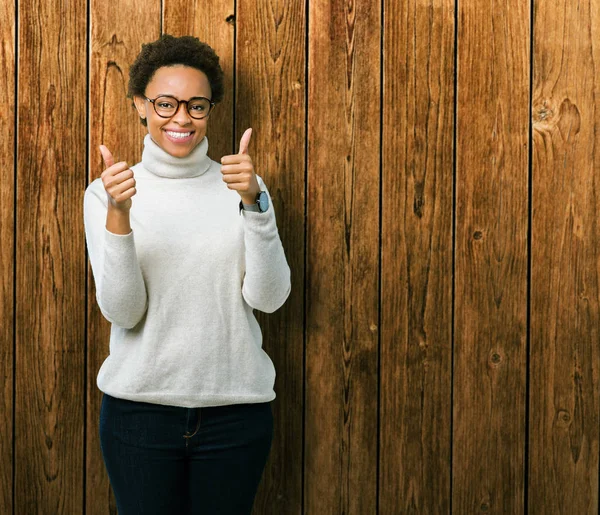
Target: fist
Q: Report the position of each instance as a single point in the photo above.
(238, 171)
(118, 181)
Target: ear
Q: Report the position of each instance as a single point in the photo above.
(140, 105)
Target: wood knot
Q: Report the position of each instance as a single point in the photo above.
(569, 120)
(50, 100)
(563, 419)
(543, 112)
(419, 199)
(495, 358)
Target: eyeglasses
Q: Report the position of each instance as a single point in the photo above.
(197, 107)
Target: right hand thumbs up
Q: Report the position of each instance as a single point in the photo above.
(118, 181)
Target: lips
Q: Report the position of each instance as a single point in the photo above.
(179, 136)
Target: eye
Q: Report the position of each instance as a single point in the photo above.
(165, 104)
(199, 107)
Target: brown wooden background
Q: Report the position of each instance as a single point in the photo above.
(435, 168)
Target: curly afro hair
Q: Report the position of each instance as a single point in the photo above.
(171, 51)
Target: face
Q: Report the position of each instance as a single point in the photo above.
(179, 134)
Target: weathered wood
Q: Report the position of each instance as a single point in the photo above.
(416, 270)
(213, 22)
(270, 78)
(7, 264)
(115, 43)
(563, 466)
(342, 257)
(337, 462)
(491, 257)
(50, 263)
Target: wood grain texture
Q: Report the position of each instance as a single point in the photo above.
(50, 278)
(211, 21)
(7, 264)
(115, 43)
(563, 466)
(416, 270)
(324, 455)
(340, 474)
(491, 257)
(270, 78)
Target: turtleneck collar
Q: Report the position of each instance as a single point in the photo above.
(163, 164)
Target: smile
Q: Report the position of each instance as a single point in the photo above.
(178, 135)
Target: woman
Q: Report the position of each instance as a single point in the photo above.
(186, 423)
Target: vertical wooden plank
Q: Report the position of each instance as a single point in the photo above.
(491, 256)
(213, 22)
(416, 285)
(115, 42)
(342, 257)
(50, 279)
(563, 466)
(7, 220)
(270, 78)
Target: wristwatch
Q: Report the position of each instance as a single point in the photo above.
(261, 204)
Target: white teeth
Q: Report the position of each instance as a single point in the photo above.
(178, 135)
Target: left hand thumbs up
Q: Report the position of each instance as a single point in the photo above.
(238, 171)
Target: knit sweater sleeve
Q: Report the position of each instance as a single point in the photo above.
(120, 289)
(267, 281)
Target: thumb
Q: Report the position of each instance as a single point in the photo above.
(245, 141)
(107, 156)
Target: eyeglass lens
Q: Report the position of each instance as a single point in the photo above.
(196, 107)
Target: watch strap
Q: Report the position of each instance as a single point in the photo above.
(249, 207)
(256, 207)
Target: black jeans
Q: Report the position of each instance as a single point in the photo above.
(167, 460)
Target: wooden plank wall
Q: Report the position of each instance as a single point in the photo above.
(490, 330)
(7, 265)
(49, 360)
(416, 252)
(342, 257)
(434, 168)
(565, 252)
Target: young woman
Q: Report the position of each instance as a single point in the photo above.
(183, 249)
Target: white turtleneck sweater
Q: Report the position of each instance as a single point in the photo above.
(181, 287)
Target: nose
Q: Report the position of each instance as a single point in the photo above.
(182, 116)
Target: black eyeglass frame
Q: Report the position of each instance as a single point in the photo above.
(179, 102)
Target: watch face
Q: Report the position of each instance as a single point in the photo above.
(263, 201)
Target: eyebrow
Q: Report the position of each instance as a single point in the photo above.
(173, 96)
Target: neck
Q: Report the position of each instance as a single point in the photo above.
(163, 164)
